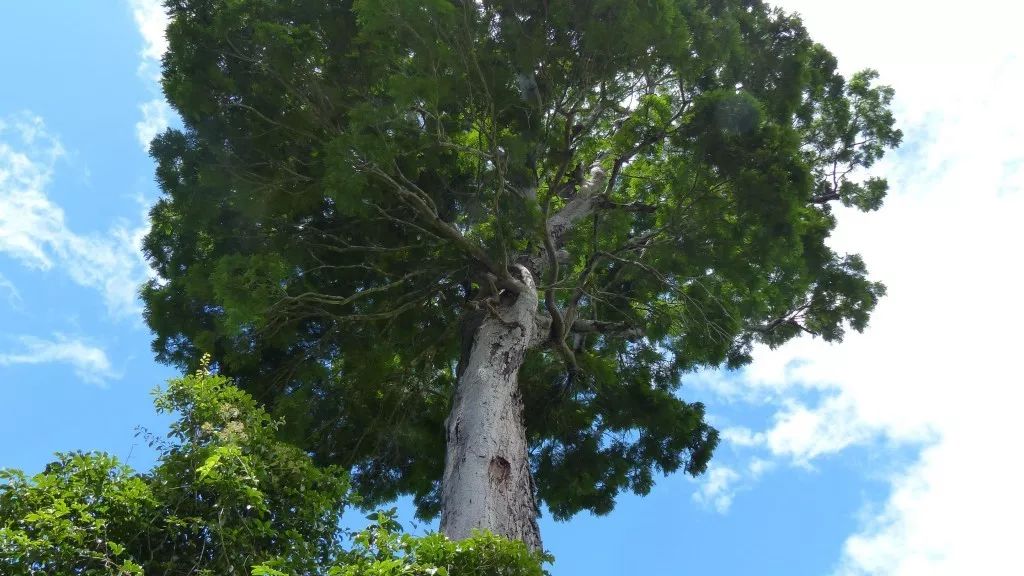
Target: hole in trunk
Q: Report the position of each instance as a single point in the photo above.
(499, 470)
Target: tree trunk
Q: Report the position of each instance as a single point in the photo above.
(487, 484)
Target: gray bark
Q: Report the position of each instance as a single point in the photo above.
(581, 206)
(487, 484)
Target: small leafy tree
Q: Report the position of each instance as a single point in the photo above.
(225, 495)
(73, 518)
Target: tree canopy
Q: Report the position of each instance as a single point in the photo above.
(356, 181)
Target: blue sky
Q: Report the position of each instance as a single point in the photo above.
(890, 454)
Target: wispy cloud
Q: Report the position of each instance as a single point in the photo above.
(151, 20)
(717, 489)
(155, 119)
(935, 367)
(34, 231)
(89, 362)
(13, 296)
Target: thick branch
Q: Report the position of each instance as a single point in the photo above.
(583, 326)
(618, 329)
(581, 206)
(638, 207)
(593, 193)
(791, 318)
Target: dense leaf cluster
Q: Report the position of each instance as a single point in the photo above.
(224, 498)
(354, 178)
(383, 550)
(225, 495)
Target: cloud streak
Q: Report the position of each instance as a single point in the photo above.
(718, 488)
(155, 119)
(716, 491)
(90, 363)
(151, 21)
(34, 230)
(13, 296)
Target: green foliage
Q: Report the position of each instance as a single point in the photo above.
(73, 518)
(224, 498)
(383, 550)
(224, 495)
(350, 173)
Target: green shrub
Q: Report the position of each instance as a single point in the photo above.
(225, 497)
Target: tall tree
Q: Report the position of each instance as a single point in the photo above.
(470, 248)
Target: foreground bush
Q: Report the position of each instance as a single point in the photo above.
(225, 496)
(383, 550)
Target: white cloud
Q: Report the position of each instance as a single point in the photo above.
(155, 119)
(717, 489)
(758, 466)
(34, 231)
(90, 363)
(947, 515)
(741, 436)
(13, 296)
(151, 19)
(935, 368)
